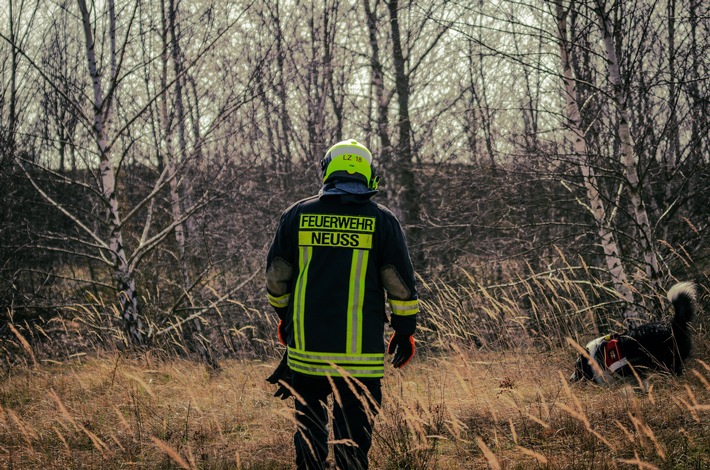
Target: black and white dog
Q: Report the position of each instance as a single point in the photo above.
(657, 346)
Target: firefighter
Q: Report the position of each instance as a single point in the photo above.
(337, 258)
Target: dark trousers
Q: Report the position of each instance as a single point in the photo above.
(352, 425)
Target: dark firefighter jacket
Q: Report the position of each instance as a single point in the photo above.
(328, 269)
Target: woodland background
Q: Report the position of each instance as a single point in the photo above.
(537, 153)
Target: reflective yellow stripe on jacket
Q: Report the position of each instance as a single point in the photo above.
(326, 363)
(356, 297)
(299, 301)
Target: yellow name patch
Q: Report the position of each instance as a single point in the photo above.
(336, 239)
(337, 222)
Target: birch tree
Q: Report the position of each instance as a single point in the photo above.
(627, 154)
(107, 45)
(103, 94)
(579, 143)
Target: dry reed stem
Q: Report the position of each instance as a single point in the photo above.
(25, 345)
(118, 442)
(27, 434)
(95, 440)
(488, 454)
(629, 436)
(512, 431)
(122, 420)
(583, 351)
(580, 415)
(170, 452)
(691, 409)
(531, 453)
(140, 382)
(638, 463)
(643, 429)
(61, 438)
(62, 409)
(536, 420)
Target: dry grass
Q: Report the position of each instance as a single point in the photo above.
(487, 390)
(461, 410)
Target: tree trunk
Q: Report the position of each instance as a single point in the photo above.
(408, 197)
(700, 141)
(628, 157)
(578, 139)
(378, 87)
(175, 159)
(13, 86)
(128, 298)
(284, 129)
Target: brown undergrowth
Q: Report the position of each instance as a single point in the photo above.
(464, 409)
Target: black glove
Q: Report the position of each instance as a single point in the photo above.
(402, 346)
(282, 374)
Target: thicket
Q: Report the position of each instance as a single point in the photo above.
(500, 247)
(531, 151)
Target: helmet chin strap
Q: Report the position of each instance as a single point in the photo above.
(374, 181)
(324, 164)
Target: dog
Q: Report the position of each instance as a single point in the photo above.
(658, 346)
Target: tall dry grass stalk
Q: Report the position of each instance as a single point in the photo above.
(538, 309)
(25, 345)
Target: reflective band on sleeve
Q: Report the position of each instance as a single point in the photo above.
(404, 307)
(280, 301)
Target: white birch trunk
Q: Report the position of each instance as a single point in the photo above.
(579, 142)
(175, 158)
(128, 299)
(628, 158)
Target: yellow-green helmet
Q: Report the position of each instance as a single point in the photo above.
(349, 160)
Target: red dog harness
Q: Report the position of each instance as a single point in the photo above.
(613, 357)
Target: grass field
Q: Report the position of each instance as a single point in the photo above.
(466, 409)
